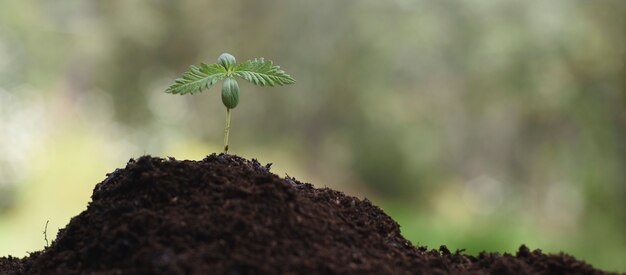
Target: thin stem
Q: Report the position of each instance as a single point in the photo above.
(45, 233)
(226, 130)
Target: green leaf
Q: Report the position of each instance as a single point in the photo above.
(262, 73)
(197, 79)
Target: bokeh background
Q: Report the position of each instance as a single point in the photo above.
(476, 124)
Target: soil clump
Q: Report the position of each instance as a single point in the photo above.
(228, 215)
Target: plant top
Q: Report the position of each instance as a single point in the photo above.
(259, 71)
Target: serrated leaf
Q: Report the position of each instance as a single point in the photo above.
(197, 79)
(262, 72)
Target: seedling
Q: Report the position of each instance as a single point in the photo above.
(259, 71)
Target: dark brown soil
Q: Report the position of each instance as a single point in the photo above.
(228, 215)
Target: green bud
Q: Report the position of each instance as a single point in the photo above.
(226, 60)
(230, 93)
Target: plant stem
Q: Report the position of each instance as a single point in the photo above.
(226, 130)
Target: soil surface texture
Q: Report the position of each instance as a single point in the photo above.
(229, 215)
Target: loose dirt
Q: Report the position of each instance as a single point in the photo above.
(229, 215)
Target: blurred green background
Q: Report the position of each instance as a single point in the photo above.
(475, 124)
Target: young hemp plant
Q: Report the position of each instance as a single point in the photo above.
(259, 71)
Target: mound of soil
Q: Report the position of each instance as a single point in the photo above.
(228, 215)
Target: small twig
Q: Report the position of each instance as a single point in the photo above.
(45, 233)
